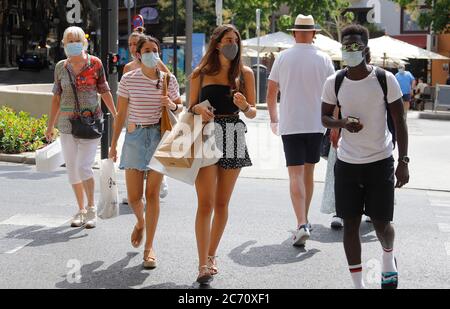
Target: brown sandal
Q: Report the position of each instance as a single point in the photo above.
(213, 265)
(137, 236)
(149, 261)
(204, 275)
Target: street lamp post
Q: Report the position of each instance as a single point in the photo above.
(258, 34)
(109, 43)
(188, 52)
(175, 43)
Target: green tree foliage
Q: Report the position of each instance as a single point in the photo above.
(242, 13)
(331, 15)
(437, 16)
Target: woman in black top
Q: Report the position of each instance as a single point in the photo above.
(229, 86)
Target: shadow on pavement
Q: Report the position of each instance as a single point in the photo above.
(268, 255)
(29, 174)
(125, 209)
(326, 235)
(15, 168)
(42, 237)
(169, 285)
(116, 276)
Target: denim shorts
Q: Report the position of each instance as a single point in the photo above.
(139, 148)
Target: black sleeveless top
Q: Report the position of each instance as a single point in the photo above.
(221, 99)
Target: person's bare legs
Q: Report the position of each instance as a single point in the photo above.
(135, 190)
(206, 192)
(406, 105)
(153, 185)
(309, 186)
(298, 192)
(226, 181)
(89, 186)
(352, 240)
(78, 189)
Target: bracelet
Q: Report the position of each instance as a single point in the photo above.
(191, 110)
(247, 109)
(174, 110)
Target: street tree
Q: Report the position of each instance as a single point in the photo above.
(437, 15)
(331, 15)
(242, 13)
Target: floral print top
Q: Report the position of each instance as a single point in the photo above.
(90, 82)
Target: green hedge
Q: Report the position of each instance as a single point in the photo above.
(21, 133)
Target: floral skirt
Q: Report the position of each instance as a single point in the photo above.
(230, 139)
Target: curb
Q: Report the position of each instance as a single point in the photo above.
(23, 158)
(261, 106)
(435, 115)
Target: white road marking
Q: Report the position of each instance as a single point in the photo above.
(439, 204)
(444, 227)
(36, 220)
(15, 249)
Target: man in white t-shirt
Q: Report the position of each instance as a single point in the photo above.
(299, 73)
(364, 171)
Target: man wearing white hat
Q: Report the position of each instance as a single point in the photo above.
(300, 73)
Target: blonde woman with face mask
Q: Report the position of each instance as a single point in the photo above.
(140, 103)
(88, 77)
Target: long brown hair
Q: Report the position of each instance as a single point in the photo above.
(210, 63)
(144, 39)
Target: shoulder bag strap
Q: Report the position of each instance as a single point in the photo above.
(77, 107)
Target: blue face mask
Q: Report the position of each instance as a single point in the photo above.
(74, 49)
(150, 60)
(353, 59)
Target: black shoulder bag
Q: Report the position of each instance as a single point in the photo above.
(84, 127)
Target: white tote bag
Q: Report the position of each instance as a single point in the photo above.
(108, 206)
(49, 158)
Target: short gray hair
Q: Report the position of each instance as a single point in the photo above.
(77, 33)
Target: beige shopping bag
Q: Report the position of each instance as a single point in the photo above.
(181, 146)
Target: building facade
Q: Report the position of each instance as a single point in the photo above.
(39, 25)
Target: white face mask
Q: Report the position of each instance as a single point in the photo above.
(150, 60)
(353, 59)
(401, 71)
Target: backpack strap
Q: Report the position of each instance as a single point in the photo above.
(381, 76)
(338, 83)
(382, 80)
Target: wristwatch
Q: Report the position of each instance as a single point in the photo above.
(404, 159)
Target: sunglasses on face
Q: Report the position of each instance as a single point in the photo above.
(352, 47)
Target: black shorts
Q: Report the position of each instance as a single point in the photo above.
(365, 189)
(406, 98)
(302, 148)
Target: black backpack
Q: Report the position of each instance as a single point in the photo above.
(381, 76)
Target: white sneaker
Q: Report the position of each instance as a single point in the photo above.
(164, 191)
(91, 218)
(301, 236)
(125, 200)
(337, 223)
(78, 220)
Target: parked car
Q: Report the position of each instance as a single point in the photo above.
(31, 60)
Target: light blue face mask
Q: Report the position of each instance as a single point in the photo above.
(74, 49)
(150, 60)
(353, 59)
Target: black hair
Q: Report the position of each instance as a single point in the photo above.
(355, 29)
